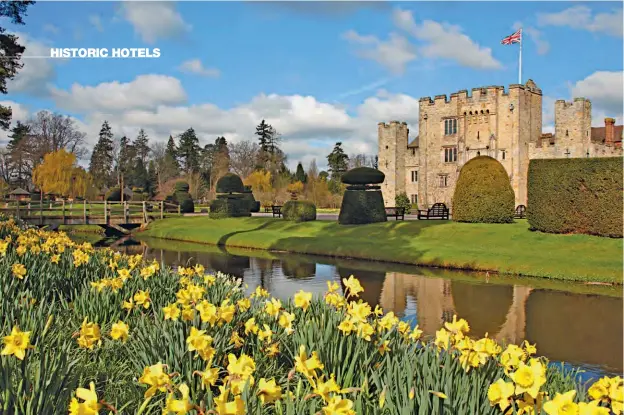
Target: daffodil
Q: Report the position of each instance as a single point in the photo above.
(592, 408)
(562, 404)
(227, 407)
(226, 312)
(529, 378)
(285, 321)
(307, 366)
(243, 304)
(442, 339)
(209, 377)
(89, 406)
(19, 271)
(172, 312)
(346, 326)
(323, 389)
(273, 307)
(16, 343)
(179, 406)
(303, 299)
(142, 298)
(268, 391)
(339, 406)
(120, 331)
(354, 288)
(155, 377)
(89, 335)
(207, 312)
(499, 393)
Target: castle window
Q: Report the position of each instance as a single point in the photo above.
(450, 126)
(566, 133)
(503, 154)
(386, 147)
(413, 152)
(414, 176)
(443, 180)
(450, 154)
(414, 199)
(478, 153)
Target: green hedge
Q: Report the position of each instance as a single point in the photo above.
(299, 210)
(229, 208)
(483, 193)
(185, 201)
(576, 196)
(401, 200)
(254, 206)
(113, 195)
(361, 206)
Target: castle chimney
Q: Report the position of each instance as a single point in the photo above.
(609, 131)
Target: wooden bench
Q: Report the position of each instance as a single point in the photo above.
(520, 212)
(437, 211)
(267, 209)
(277, 211)
(395, 212)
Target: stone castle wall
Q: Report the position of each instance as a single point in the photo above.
(505, 125)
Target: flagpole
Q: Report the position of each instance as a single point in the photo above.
(520, 61)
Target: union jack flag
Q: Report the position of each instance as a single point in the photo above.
(511, 39)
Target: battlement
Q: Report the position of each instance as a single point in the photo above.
(577, 102)
(392, 124)
(480, 93)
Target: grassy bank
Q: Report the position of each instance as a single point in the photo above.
(91, 229)
(508, 249)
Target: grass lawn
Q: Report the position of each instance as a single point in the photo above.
(509, 249)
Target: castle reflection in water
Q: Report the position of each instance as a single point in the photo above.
(585, 330)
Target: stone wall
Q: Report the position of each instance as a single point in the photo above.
(391, 158)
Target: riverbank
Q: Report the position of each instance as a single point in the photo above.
(506, 249)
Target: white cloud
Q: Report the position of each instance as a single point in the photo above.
(394, 54)
(50, 28)
(145, 92)
(37, 73)
(604, 89)
(195, 66)
(154, 20)
(309, 127)
(581, 17)
(95, 20)
(443, 40)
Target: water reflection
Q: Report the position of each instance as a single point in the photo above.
(580, 328)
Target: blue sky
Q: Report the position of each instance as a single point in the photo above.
(319, 72)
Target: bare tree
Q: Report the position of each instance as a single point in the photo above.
(361, 160)
(242, 157)
(52, 131)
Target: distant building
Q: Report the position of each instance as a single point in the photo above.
(505, 125)
(19, 194)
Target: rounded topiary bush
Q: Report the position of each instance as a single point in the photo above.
(181, 187)
(363, 175)
(113, 195)
(299, 210)
(483, 193)
(254, 206)
(185, 201)
(230, 183)
(361, 206)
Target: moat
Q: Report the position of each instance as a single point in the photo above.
(580, 325)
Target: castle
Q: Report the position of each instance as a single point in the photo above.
(504, 125)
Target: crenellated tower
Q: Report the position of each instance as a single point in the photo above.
(392, 152)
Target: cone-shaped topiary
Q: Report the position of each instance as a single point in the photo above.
(362, 203)
(363, 175)
(230, 183)
(254, 205)
(113, 195)
(483, 193)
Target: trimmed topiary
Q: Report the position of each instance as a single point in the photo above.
(401, 200)
(363, 175)
(581, 195)
(254, 206)
(113, 195)
(187, 206)
(362, 202)
(229, 208)
(483, 193)
(181, 187)
(299, 211)
(230, 183)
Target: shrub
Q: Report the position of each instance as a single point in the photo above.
(483, 193)
(363, 175)
(181, 187)
(362, 206)
(576, 195)
(229, 208)
(401, 200)
(299, 210)
(254, 206)
(113, 195)
(230, 183)
(185, 201)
